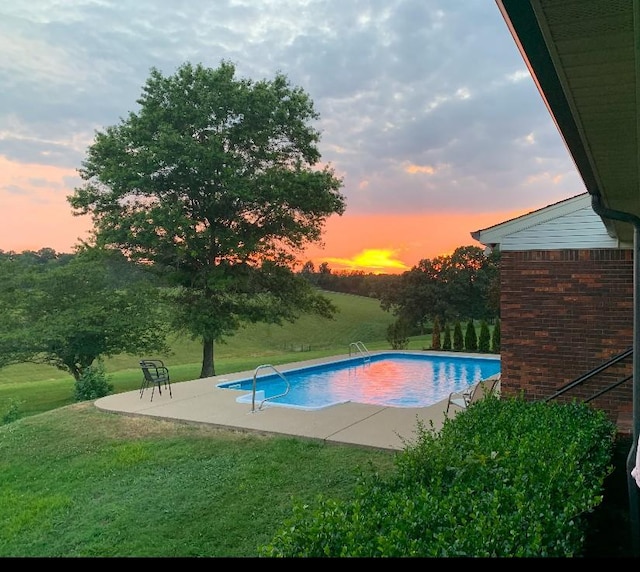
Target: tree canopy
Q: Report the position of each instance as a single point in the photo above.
(462, 285)
(67, 311)
(215, 182)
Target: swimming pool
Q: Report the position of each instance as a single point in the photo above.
(394, 379)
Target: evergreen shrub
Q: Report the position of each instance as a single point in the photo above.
(470, 337)
(446, 338)
(484, 339)
(458, 340)
(435, 334)
(495, 338)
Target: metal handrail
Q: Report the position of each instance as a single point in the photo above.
(580, 380)
(360, 347)
(609, 388)
(253, 395)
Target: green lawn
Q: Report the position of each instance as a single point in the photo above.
(79, 482)
(75, 481)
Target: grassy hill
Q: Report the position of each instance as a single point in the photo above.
(37, 388)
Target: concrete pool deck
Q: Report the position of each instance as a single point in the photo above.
(200, 401)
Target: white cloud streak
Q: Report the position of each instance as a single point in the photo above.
(425, 105)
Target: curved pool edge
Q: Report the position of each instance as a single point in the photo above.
(201, 402)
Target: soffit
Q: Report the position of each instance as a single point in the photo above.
(582, 56)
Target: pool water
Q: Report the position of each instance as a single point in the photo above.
(392, 379)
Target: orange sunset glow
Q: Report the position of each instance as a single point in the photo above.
(376, 261)
(392, 244)
(36, 217)
(34, 210)
(39, 216)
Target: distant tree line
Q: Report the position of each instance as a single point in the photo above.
(355, 282)
(464, 285)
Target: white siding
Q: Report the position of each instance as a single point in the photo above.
(580, 229)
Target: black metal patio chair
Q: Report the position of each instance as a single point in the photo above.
(155, 374)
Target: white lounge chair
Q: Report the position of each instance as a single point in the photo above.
(480, 390)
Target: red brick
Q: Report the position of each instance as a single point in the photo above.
(564, 313)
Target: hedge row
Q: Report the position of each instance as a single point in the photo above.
(451, 337)
(502, 478)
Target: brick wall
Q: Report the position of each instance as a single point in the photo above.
(564, 312)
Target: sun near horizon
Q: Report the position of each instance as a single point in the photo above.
(370, 261)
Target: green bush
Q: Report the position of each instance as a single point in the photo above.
(12, 413)
(446, 335)
(398, 335)
(93, 383)
(435, 334)
(495, 338)
(502, 478)
(458, 340)
(470, 337)
(484, 339)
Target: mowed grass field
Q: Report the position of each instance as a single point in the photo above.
(38, 388)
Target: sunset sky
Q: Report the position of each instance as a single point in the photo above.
(427, 110)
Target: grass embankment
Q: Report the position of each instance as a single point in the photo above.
(80, 482)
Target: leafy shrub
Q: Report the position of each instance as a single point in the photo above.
(502, 478)
(12, 413)
(458, 340)
(93, 383)
(484, 340)
(435, 334)
(495, 338)
(470, 337)
(398, 335)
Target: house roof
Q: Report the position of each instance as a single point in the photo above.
(567, 224)
(584, 58)
(493, 235)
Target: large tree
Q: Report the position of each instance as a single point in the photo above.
(416, 297)
(68, 311)
(468, 274)
(215, 181)
(455, 286)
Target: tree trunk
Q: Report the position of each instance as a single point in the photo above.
(74, 370)
(208, 368)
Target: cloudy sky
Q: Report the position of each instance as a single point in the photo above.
(427, 110)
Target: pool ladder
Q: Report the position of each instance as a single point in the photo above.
(360, 348)
(255, 376)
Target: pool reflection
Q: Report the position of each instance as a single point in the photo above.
(394, 379)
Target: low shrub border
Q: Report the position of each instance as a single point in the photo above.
(503, 478)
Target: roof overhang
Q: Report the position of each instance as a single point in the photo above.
(584, 58)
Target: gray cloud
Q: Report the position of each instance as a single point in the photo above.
(425, 105)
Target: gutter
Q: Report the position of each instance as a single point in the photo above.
(632, 486)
